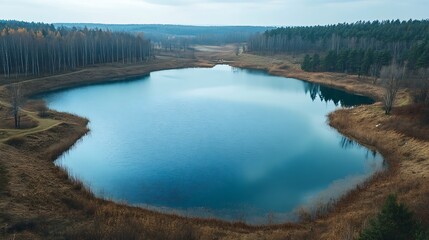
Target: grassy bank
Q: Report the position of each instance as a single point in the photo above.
(43, 202)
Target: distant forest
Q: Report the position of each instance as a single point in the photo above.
(358, 48)
(179, 37)
(37, 48)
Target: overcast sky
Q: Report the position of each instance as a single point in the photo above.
(213, 12)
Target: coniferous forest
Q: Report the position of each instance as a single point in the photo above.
(28, 49)
(359, 48)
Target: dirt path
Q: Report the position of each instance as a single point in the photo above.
(54, 76)
(43, 125)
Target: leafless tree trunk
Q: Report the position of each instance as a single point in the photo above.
(16, 100)
(373, 71)
(391, 77)
(35, 52)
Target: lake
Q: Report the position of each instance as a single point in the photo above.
(222, 142)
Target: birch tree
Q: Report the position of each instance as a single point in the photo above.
(16, 101)
(391, 79)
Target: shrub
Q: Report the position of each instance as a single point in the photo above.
(394, 222)
(16, 141)
(3, 179)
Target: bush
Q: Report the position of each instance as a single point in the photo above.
(16, 141)
(41, 108)
(394, 222)
(3, 179)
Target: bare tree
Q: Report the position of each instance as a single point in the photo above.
(34, 49)
(391, 77)
(237, 50)
(16, 101)
(373, 72)
(41, 108)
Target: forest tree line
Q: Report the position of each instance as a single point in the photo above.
(180, 37)
(358, 48)
(361, 62)
(37, 49)
(170, 43)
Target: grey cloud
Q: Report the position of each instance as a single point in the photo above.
(213, 12)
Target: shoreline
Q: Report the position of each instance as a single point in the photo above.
(336, 120)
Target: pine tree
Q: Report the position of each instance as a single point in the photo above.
(367, 61)
(423, 60)
(394, 222)
(315, 64)
(307, 64)
(330, 62)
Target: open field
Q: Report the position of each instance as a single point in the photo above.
(40, 201)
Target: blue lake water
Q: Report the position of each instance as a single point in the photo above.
(219, 142)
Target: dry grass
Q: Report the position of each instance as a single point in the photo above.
(407, 159)
(15, 141)
(49, 144)
(411, 120)
(7, 120)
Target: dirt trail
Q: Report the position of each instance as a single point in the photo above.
(43, 124)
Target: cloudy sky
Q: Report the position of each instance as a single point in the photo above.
(213, 12)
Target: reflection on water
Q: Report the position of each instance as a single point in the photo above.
(347, 143)
(222, 142)
(338, 97)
